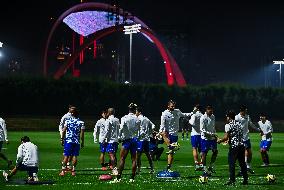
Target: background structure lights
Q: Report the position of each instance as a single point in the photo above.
(280, 72)
(135, 28)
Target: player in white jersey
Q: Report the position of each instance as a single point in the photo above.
(266, 130)
(27, 160)
(169, 129)
(208, 139)
(60, 129)
(246, 122)
(4, 138)
(145, 132)
(72, 134)
(100, 131)
(128, 134)
(111, 137)
(196, 136)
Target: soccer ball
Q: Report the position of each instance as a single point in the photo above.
(271, 178)
(175, 146)
(203, 179)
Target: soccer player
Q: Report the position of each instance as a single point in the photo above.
(169, 129)
(266, 138)
(196, 136)
(234, 135)
(128, 134)
(155, 150)
(72, 133)
(145, 132)
(27, 160)
(111, 137)
(60, 128)
(245, 121)
(4, 137)
(208, 139)
(100, 131)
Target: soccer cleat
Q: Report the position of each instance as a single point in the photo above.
(152, 171)
(115, 180)
(115, 171)
(5, 175)
(104, 168)
(131, 180)
(264, 165)
(250, 171)
(35, 177)
(62, 173)
(239, 174)
(169, 170)
(206, 174)
(198, 167)
(73, 173)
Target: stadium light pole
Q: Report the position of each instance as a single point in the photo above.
(280, 72)
(1, 46)
(135, 28)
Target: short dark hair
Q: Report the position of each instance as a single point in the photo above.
(231, 114)
(209, 107)
(197, 106)
(25, 139)
(262, 114)
(132, 107)
(243, 108)
(171, 102)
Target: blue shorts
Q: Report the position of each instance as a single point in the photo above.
(112, 147)
(30, 169)
(143, 146)
(247, 144)
(265, 145)
(196, 141)
(207, 145)
(152, 146)
(1, 145)
(130, 144)
(103, 147)
(173, 138)
(71, 149)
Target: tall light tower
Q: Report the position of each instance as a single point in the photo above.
(130, 30)
(1, 45)
(280, 72)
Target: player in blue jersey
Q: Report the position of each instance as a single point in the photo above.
(72, 133)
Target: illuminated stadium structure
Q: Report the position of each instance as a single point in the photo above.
(93, 20)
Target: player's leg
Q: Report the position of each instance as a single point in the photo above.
(67, 152)
(195, 143)
(213, 145)
(134, 163)
(140, 145)
(173, 139)
(248, 156)
(123, 154)
(182, 133)
(8, 176)
(146, 149)
(242, 163)
(9, 162)
(232, 156)
(103, 147)
(204, 151)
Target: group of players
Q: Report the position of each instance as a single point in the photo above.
(134, 131)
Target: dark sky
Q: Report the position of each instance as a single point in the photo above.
(227, 42)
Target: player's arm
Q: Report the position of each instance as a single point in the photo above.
(250, 123)
(164, 131)
(82, 137)
(19, 155)
(107, 131)
(96, 131)
(5, 132)
(192, 120)
(224, 139)
(63, 134)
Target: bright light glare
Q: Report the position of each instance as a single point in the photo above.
(1, 54)
(1, 44)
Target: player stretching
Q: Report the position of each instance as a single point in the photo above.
(145, 132)
(245, 121)
(99, 130)
(73, 132)
(111, 138)
(266, 138)
(61, 126)
(128, 134)
(169, 129)
(208, 139)
(196, 136)
(4, 137)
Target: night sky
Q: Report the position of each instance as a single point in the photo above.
(225, 42)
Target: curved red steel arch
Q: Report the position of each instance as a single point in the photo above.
(172, 69)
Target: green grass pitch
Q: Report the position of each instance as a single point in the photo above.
(88, 169)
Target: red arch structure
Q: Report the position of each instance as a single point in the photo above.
(173, 73)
